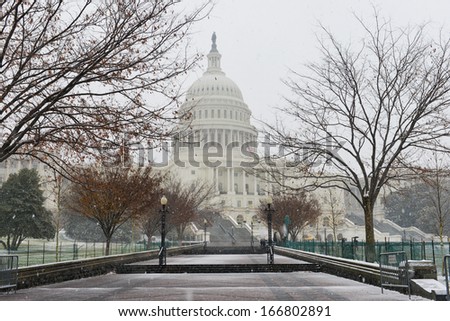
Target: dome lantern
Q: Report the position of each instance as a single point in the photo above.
(214, 56)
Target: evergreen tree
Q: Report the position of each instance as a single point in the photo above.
(22, 211)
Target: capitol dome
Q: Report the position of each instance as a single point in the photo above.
(215, 97)
(214, 141)
(214, 82)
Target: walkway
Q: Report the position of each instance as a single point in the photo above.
(298, 286)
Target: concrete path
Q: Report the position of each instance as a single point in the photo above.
(297, 286)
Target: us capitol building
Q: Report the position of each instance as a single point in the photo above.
(217, 143)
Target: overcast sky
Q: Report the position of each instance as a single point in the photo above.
(261, 39)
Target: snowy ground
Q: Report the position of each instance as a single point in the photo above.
(293, 286)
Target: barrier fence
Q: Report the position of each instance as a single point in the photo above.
(8, 272)
(42, 252)
(356, 250)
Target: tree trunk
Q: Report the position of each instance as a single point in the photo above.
(107, 246)
(370, 235)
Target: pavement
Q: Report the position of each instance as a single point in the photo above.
(292, 286)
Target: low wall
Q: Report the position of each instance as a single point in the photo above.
(70, 270)
(356, 270)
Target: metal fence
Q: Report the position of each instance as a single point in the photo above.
(447, 273)
(394, 271)
(356, 250)
(8, 272)
(41, 252)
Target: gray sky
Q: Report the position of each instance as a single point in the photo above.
(261, 39)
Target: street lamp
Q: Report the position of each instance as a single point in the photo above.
(204, 237)
(251, 226)
(162, 249)
(269, 210)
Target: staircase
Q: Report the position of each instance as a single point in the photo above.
(224, 233)
(218, 268)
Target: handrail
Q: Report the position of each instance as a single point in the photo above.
(223, 229)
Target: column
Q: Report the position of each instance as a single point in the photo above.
(216, 179)
(244, 182)
(232, 181)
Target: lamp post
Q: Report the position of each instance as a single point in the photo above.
(162, 249)
(204, 236)
(269, 210)
(251, 241)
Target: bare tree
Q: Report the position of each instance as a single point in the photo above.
(436, 178)
(364, 112)
(79, 75)
(185, 201)
(336, 214)
(59, 187)
(150, 221)
(113, 195)
(292, 212)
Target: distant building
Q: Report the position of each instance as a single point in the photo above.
(14, 164)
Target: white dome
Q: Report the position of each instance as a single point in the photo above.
(214, 84)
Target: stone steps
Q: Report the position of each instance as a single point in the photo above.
(217, 268)
(227, 249)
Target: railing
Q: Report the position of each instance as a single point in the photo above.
(8, 272)
(36, 252)
(394, 271)
(69, 270)
(352, 269)
(446, 273)
(356, 250)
